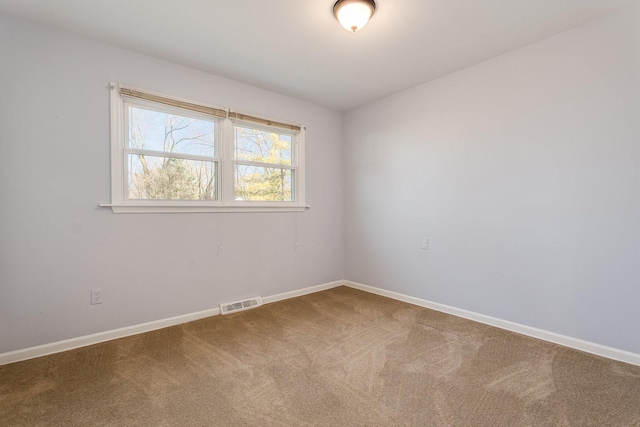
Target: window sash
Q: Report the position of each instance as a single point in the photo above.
(126, 171)
(295, 160)
(167, 109)
(292, 186)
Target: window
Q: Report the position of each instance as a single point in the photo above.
(262, 164)
(169, 155)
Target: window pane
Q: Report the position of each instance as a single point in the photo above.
(158, 131)
(168, 178)
(263, 184)
(263, 146)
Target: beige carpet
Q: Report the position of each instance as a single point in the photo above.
(335, 358)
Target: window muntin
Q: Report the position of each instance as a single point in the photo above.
(172, 155)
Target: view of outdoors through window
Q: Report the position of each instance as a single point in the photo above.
(171, 157)
(263, 163)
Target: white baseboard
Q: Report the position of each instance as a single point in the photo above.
(300, 292)
(70, 344)
(578, 344)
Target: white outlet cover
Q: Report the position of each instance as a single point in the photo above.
(96, 296)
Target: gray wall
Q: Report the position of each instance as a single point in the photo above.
(524, 173)
(56, 244)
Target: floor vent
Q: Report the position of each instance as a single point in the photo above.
(233, 307)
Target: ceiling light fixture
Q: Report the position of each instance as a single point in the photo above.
(353, 15)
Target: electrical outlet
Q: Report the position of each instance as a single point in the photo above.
(425, 244)
(96, 296)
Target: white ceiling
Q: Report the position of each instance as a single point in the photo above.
(297, 48)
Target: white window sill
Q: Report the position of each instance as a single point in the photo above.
(195, 208)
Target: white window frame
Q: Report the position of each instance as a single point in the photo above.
(224, 156)
(295, 159)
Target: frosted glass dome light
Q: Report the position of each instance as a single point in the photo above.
(353, 15)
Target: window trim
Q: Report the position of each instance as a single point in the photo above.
(224, 157)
